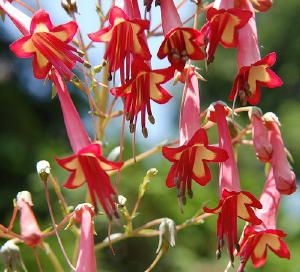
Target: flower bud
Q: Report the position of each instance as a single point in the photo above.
(43, 169)
(122, 200)
(167, 233)
(70, 6)
(24, 196)
(11, 256)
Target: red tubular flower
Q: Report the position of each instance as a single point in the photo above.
(234, 202)
(87, 164)
(124, 37)
(180, 43)
(258, 239)
(222, 28)
(251, 78)
(261, 143)
(284, 176)
(262, 5)
(145, 85)
(30, 230)
(190, 162)
(48, 45)
(86, 262)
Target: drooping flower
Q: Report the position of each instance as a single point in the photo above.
(190, 163)
(284, 176)
(144, 86)
(234, 203)
(124, 37)
(180, 43)
(87, 164)
(261, 143)
(48, 45)
(257, 239)
(222, 28)
(30, 230)
(86, 262)
(250, 79)
(262, 5)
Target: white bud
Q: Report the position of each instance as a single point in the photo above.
(122, 200)
(43, 169)
(271, 117)
(167, 233)
(10, 254)
(24, 196)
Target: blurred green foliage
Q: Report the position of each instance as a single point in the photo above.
(32, 129)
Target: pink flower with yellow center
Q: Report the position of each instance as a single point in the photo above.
(234, 203)
(222, 28)
(48, 45)
(124, 37)
(258, 239)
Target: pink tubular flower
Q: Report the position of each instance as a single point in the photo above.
(222, 28)
(87, 164)
(180, 43)
(261, 143)
(145, 85)
(191, 157)
(257, 239)
(234, 203)
(48, 45)
(86, 262)
(30, 230)
(124, 37)
(284, 176)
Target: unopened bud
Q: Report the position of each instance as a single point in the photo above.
(11, 256)
(167, 234)
(98, 68)
(24, 196)
(152, 172)
(43, 169)
(122, 200)
(271, 117)
(69, 6)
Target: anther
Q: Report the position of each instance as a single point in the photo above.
(145, 132)
(151, 119)
(132, 128)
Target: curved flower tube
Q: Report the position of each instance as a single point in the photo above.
(87, 163)
(284, 176)
(86, 262)
(234, 203)
(48, 45)
(144, 86)
(257, 239)
(124, 36)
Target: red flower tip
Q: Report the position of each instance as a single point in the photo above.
(124, 37)
(255, 244)
(180, 45)
(88, 165)
(144, 86)
(190, 162)
(231, 206)
(48, 45)
(250, 79)
(262, 5)
(211, 113)
(222, 28)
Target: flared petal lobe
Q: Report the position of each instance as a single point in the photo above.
(48, 45)
(181, 44)
(144, 86)
(250, 79)
(222, 28)
(89, 166)
(190, 163)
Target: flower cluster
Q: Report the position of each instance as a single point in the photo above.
(58, 54)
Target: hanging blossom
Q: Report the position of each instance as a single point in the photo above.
(86, 261)
(222, 27)
(234, 203)
(257, 239)
(189, 160)
(47, 44)
(87, 164)
(254, 72)
(124, 38)
(261, 143)
(180, 43)
(144, 86)
(284, 176)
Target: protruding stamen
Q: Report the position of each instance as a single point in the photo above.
(145, 132)
(151, 119)
(132, 128)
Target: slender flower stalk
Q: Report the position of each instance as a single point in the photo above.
(234, 203)
(257, 239)
(285, 177)
(47, 44)
(86, 262)
(87, 164)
